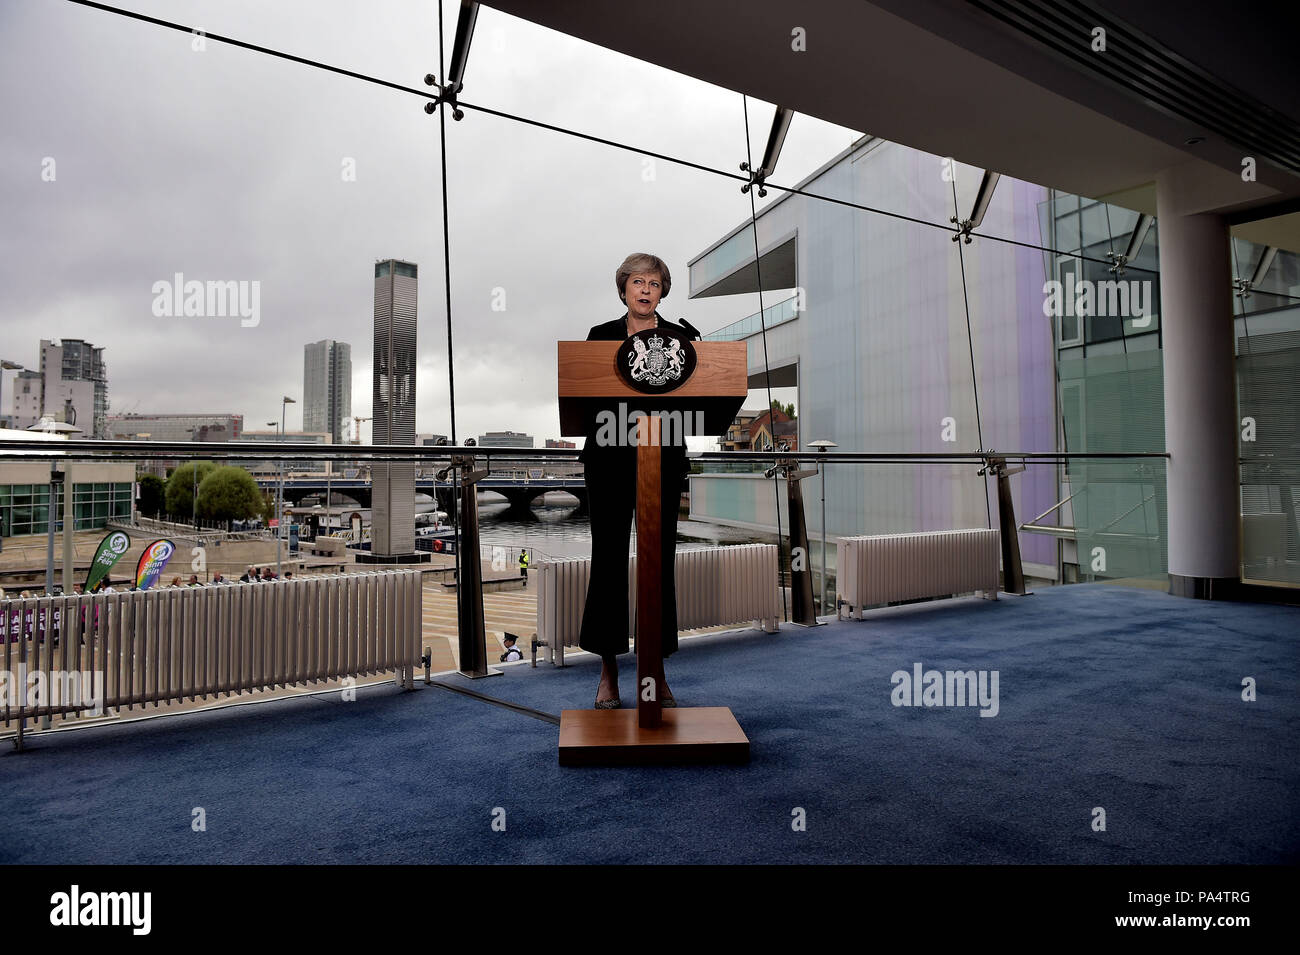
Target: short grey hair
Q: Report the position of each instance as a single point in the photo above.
(642, 262)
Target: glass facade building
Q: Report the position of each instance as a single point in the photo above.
(896, 341)
(1045, 334)
(327, 387)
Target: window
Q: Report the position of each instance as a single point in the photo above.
(1069, 330)
(1067, 233)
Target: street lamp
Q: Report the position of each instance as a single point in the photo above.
(822, 447)
(7, 366)
(194, 490)
(276, 426)
(56, 483)
(279, 510)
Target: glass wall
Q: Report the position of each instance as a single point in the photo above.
(1111, 398)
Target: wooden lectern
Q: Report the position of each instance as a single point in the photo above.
(594, 378)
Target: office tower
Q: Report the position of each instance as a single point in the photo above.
(327, 388)
(392, 532)
(74, 384)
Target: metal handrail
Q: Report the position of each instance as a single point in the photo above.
(79, 449)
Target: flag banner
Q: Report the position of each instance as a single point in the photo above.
(109, 552)
(19, 625)
(152, 562)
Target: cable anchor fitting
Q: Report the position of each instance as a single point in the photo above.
(963, 228)
(444, 96)
(755, 179)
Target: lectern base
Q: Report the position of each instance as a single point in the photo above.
(697, 734)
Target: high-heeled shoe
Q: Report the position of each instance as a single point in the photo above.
(611, 704)
(668, 702)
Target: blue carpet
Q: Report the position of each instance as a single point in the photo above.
(1127, 700)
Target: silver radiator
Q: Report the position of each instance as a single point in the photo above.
(715, 586)
(193, 643)
(889, 567)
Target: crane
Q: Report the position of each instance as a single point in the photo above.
(356, 427)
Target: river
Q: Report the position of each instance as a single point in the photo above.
(555, 528)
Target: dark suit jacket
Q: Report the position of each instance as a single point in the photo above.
(599, 461)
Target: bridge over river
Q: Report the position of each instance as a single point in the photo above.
(519, 490)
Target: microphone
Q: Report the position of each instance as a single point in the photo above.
(691, 330)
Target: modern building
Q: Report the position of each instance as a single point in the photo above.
(870, 325)
(74, 384)
(327, 387)
(393, 506)
(505, 439)
(1066, 354)
(172, 427)
(175, 427)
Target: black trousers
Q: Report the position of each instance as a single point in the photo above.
(611, 500)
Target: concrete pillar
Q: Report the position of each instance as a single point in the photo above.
(1200, 395)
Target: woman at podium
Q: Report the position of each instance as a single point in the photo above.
(642, 281)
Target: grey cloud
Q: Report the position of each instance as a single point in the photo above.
(226, 165)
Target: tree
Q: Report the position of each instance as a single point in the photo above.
(153, 490)
(787, 410)
(229, 493)
(180, 487)
(268, 507)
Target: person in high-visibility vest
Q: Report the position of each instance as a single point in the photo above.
(523, 567)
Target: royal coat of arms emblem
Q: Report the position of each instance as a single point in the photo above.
(654, 362)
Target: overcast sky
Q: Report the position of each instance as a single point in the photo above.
(229, 165)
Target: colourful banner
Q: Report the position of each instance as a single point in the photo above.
(152, 562)
(109, 552)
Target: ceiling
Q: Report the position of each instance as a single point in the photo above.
(1010, 85)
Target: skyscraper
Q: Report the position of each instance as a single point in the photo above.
(392, 532)
(327, 387)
